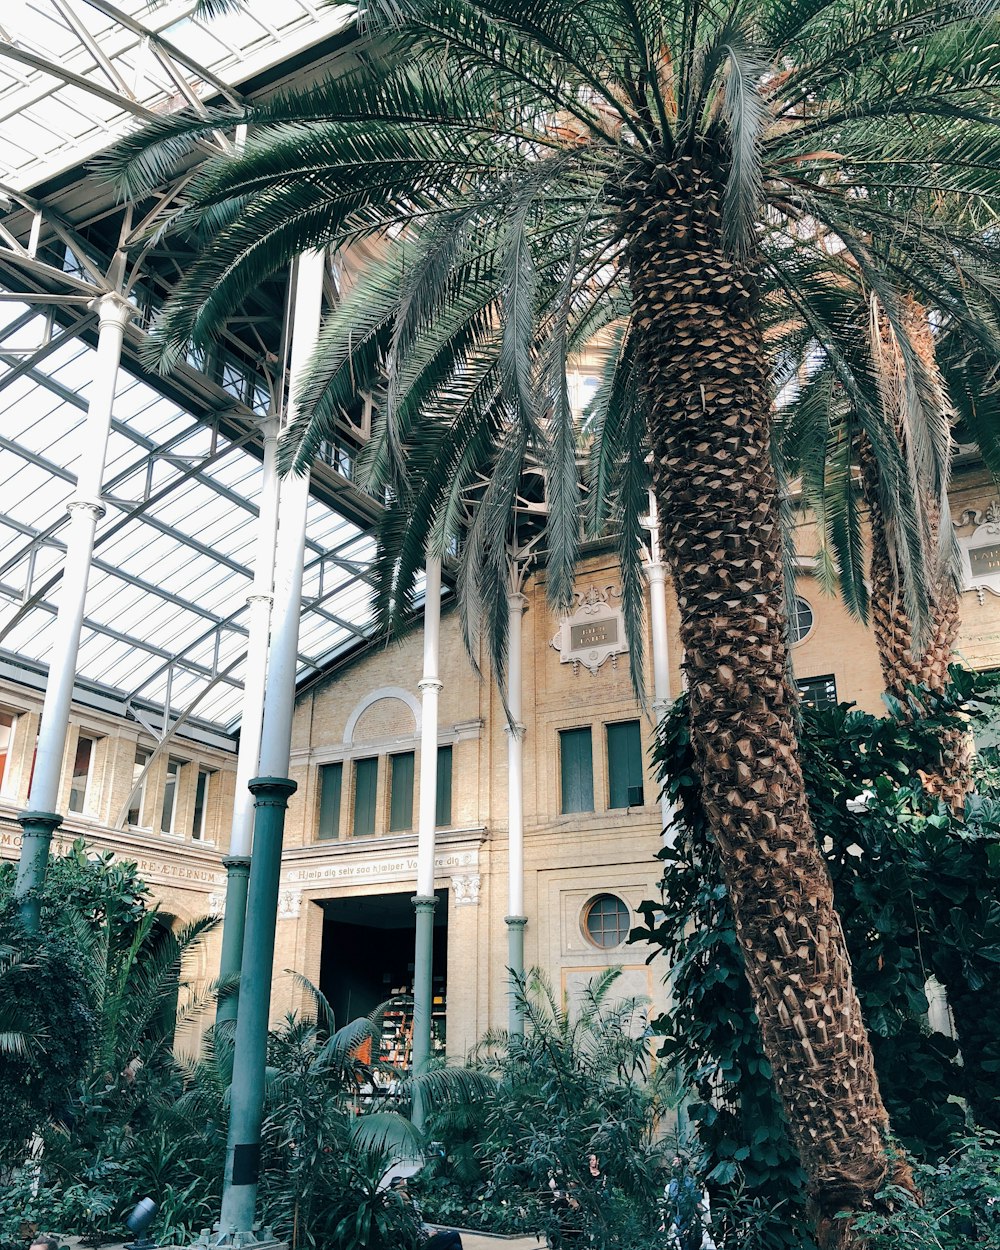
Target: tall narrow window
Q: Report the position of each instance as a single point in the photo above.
(365, 796)
(7, 722)
(169, 809)
(135, 806)
(625, 765)
(331, 778)
(442, 813)
(199, 826)
(401, 792)
(82, 764)
(576, 764)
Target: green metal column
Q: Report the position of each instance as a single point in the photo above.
(239, 1195)
(423, 994)
(515, 962)
(37, 829)
(231, 958)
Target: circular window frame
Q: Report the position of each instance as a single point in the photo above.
(797, 642)
(585, 914)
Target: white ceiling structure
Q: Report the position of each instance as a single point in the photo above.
(165, 626)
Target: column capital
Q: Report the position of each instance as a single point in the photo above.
(236, 865)
(516, 730)
(272, 791)
(516, 601)
(38, 824)
(424, 902)
(430, 683)
(661, 707)
(656, 570)
(113, 308)
(260, 598)
(94, 506)
(515, 922)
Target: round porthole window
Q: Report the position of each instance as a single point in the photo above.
(606, 921)
(802, 620)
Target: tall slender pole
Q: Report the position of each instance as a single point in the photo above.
(260, 598)
(271, 792)
(656, 572)
(425, 900)
(40, 819)
(515, 919)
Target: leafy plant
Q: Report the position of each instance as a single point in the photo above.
(916, 891)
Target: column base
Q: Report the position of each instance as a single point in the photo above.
(258, 1239)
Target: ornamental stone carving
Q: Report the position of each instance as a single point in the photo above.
(594, 631)
(980, 550)
(289, 904)
(217, 903)
(467, 889)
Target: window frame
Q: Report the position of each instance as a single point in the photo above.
(6, 767)
(445, 751)
(331, 769)
(175, 778)
(396, 759)
(589, 908)
(564, 735)
(198, 835)
(357, 762)
(74, 789)
(139, 801)
(611, 729)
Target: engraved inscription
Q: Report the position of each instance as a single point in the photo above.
(985, 561)
(594, 634)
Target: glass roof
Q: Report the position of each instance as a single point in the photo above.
(75, 74)
(165, 625)
(166, 611)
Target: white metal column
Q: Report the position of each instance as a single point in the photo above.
(656, 573)
(259, 600)
(425, 900)
(271, 790)
(515, 918)
(85, 509)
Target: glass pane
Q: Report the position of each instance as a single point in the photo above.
(81, 774)
(401, 793)
(625, 765)
(330, 781)
(169, 798)
(442, 816)
(577, 769)
(365, 794)
(607, 921)
(818, 691)
(7, 723)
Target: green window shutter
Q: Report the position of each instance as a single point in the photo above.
(401, 792)
(365, 796)
(625, 765)
(331, 777)
(576, 761)
(442, 812)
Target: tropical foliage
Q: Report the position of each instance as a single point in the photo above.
(708, 190)
(917, 891)
(580, 1081)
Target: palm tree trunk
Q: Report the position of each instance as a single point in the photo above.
(902, 663)
(706, 390)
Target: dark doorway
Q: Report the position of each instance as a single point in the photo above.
(368, 959)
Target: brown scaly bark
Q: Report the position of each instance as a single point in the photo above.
(705, 384)
(902, 663)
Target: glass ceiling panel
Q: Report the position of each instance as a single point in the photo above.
(60, 103)
(166, 605)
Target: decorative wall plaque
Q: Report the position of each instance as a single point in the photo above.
(980, 550)
(594, 631)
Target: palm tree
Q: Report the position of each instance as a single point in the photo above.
(667, 176)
